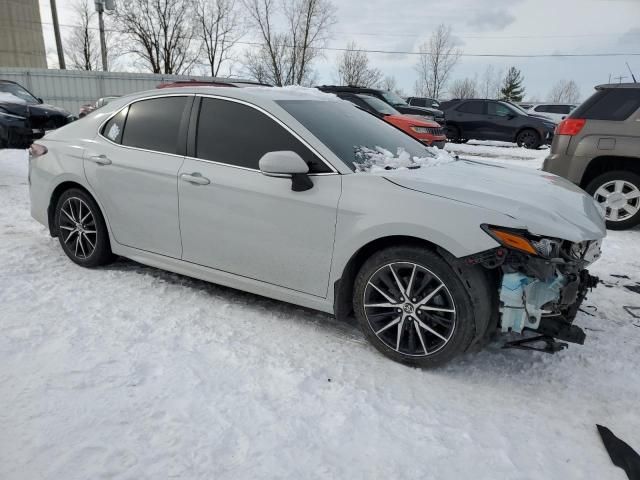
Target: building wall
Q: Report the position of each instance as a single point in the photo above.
(70, 89)
(21, 40)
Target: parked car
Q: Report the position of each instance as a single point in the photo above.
(423, 102)
(432, 259)
(393, 99)
(554, 111)
(598, 148)
(24, 117)
(90, 107)
(495, 120)
(426, 131)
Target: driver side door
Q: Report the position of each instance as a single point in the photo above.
(237, 220)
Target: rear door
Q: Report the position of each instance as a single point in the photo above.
(235, 219)
(133, 168)
(470, 116)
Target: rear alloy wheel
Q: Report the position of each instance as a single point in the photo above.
(619, 193)
(528, 138)
(82, 231)
(413, 307)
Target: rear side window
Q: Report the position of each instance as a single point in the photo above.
(115, 126)
(236, 134)
(472, 107)
(154, 124)
(610, 104)
(418, 102)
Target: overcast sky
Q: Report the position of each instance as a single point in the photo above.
(480, 27)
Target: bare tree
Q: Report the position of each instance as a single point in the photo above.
(437, 58)
(83, 46)
(160, 33)
(565, 91)
(353, 68)
(390, 83)
(490, 83)
(464, 88)
(218, 28)
(286, 57)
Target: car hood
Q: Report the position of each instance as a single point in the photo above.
(416, 120)
(544, 204)
(40, 109)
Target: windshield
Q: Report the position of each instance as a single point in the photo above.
(378, 105)
(17, 91)
(352, 134)
(393, 98)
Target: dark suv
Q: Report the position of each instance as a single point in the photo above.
(391, 98)
(23, 117)
(598, 148)
(495, 120)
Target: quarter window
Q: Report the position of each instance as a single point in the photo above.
(154, 124)
(115, 126)
(499, 110)
(236, 134)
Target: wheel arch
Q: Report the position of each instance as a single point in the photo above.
(607, 163)
(55, 196)
(343, 286)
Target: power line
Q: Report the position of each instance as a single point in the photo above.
(407, 52)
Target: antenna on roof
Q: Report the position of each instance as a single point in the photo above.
(632, 75)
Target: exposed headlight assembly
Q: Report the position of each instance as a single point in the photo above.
(523, 242)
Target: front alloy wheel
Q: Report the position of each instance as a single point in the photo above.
(409, 309)
(413, 307)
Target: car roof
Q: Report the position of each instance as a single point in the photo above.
(617, 85)
(348, 88)
(256, 95)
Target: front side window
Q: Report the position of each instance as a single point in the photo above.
(418, 102)
(393, 98)
(154, 124)
(499, 110)
(378, 105)
(351, 133)
(115, 126)
(237, 134)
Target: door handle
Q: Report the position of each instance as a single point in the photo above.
(195, 178)
(100, 159)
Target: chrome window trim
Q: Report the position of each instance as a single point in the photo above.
(219, 97)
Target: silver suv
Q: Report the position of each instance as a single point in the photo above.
(598, 148)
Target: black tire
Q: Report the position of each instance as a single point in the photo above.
(630, 180)
(529, 138)
(453, 134)
(459, 332)
(91, 236)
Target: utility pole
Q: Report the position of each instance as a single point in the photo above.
(101, 6)
(56, 31)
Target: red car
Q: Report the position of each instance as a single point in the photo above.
(427, 131)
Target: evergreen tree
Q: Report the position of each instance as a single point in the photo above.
(512, 89)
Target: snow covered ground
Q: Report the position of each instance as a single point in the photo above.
(130, 372)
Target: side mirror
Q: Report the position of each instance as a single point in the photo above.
(39, 100)
(287, 164)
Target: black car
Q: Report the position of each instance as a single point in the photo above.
(24, 118)
(495, 120)
(391, 98)
(423, 102)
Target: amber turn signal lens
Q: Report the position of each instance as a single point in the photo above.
(512, 240)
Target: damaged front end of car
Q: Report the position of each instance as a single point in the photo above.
(542, 284)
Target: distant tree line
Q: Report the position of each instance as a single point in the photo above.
(272, 41)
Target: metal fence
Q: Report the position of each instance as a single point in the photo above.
(70, 89)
